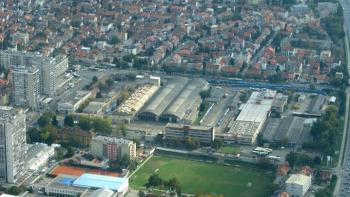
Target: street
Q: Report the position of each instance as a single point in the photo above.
(342, 170)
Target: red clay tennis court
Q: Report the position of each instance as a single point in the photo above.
(76, 171)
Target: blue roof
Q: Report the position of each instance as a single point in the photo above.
(99, 181)
(66, 181)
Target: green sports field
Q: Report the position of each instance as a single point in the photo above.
(203, 177)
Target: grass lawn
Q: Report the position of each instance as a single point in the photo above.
(203, 177)
(229, 150)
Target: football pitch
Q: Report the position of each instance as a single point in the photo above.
(196, 176)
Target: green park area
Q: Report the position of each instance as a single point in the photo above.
(195, 176)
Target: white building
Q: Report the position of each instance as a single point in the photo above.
(298, 184)
(253, 115)
(25, 87)
(38, 154)
(71, 106)
(50, 69)
(13, 148)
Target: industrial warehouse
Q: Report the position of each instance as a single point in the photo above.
(252, 117)
(172, 104)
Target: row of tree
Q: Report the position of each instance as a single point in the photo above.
(324, 131)
(172, 184)
(300, 159)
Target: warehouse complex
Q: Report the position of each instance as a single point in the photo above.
(172, 104)
(202, 134)
(252, 117)
(135, 102)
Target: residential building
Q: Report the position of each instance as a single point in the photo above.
(298, 184)
(112, 148)
(50, 69)
(203, 134)
(13, 148)
(25, 87)
(82, 137)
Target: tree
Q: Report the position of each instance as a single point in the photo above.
(110, 82)
(94, 79)
(54, 121)
(202, 107)
(174, 184)
(298, 159)
(124, 161)
(70, 152)
(133, 165)
(14, 190)
(154, 181)
(85, 123)
(317, 160)
(205, 94)
(217, 144)
(98, 94)
(123, 129)
(191, 143)
(44, 120)
(142, 194)
(69, 121)
(34, 135)
(102, 125)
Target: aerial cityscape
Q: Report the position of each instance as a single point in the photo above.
(174, 98)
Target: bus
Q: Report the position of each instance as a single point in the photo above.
(272, 157)
(260, 153)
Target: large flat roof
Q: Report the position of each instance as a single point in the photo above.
(163, 97)
(100, 181)
(257, 107)
(184, 102)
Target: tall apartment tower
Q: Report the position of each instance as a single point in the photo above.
(49, 68)
(13, 148)
(112, 148)
(25, 87)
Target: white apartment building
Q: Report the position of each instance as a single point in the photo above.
(50, 69)
(13, 148)
(298, 184)
(25, 87)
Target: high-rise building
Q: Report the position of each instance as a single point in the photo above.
(13, 148)
(25, 87)
(50, 69)
(112, 148)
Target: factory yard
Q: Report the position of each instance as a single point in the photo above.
(197, 176)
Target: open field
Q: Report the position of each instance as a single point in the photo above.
(204, 177)
(229, 150)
